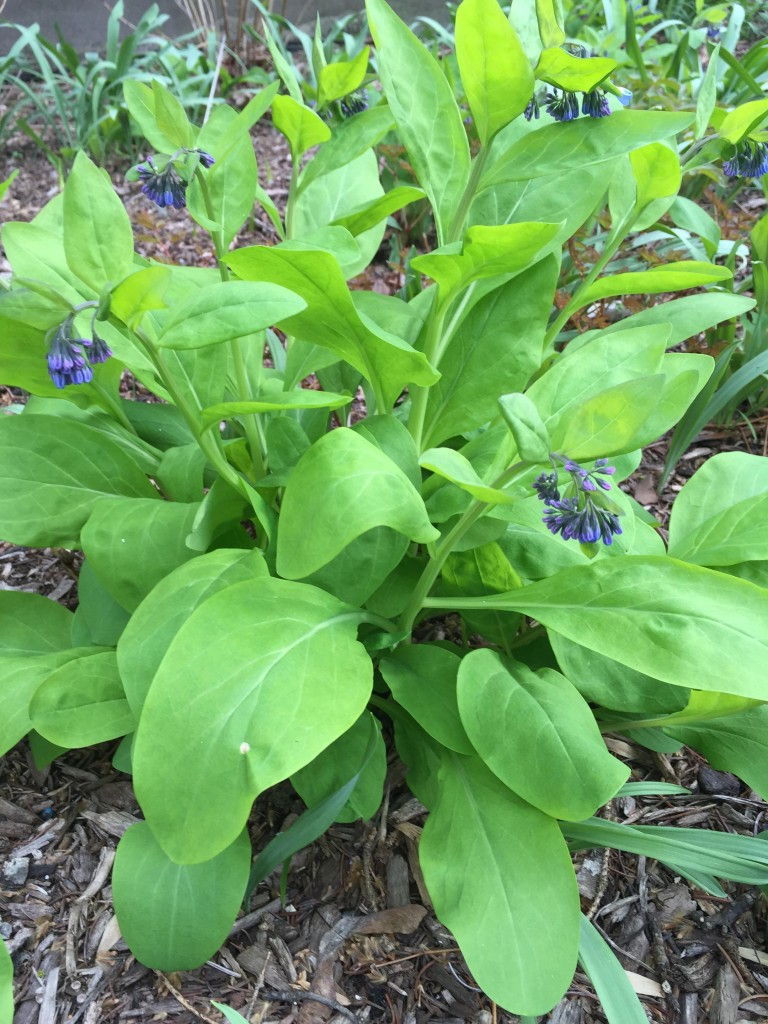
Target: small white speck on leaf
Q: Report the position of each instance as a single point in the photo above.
(244, 748)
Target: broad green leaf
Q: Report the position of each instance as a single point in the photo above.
(618, 999)
(656, 169)
(331, 319)
(738, 124)
(329, 198)
(232, 182)
(34, 308)
(140, 100)
(6, 985)
(180, 473)
(273, 400)
(139, 292)
(239, 703)
(171, 117)
(420, 96)
(362, 567)
(526, 426)
(609, 423)
(132, 544)
(21, 676)
(587, 370)
(372, 213)
(670, 277)
(495, 72)
(229, 139)
(575, 74)
(556, 148)
(38, 253)
(222, 510)
(99, 619)
(228, 310)
(483, 570)
(422, 679)
(337, 80)
(301, 126)
(604, 681)
(318, 818)
(175, 916)
(532, 550)
(331, 770)
(55, 472)
(98, 238)
(82, 703)
(349, 140)
(704, 705)
(362, 489)
(536, 732)
(31, 624)
(737, 743)
(707, 98)
(567, 198)
(720, 517)
(685, 317)
(690, 216)
(500, 877)
(454, 467)
(676, 622)
(549, 14)
(161, 614)
(486, 252)
(495, 350)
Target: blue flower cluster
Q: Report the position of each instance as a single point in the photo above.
(355, 103)
(70, 359)
(166, 187)
(564, 106)
(578, 516)
(749, 161)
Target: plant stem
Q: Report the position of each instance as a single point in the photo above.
(478, 166)
(252, 431)
(114, 405)
(444, 548)
(576, 302)
(290, 205)
(420, 395)
(191, 416)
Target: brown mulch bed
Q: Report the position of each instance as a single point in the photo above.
(340, 933)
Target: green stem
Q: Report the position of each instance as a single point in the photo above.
(191, 414)
(217, 236)
(444, 548)
(378, 620)
(575, 302)
(420, 395)
(290, 205)
(114, 405)
(457, 224)
(252, 431)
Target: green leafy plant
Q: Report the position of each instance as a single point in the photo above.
(258, 563)
(71, 101)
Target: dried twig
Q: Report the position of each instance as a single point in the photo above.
(272, 996)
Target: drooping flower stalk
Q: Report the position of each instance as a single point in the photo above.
(580, 515)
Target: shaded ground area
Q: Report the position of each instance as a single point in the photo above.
(357, 928)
